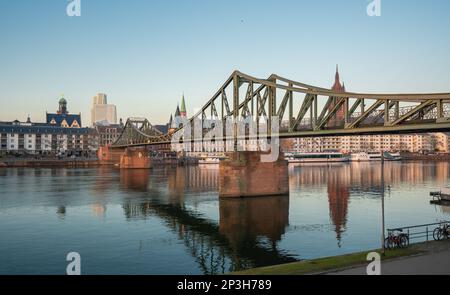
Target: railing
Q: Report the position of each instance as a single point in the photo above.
(420, 233)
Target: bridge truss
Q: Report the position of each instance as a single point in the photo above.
(303, 111)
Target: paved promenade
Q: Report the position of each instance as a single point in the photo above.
(427, 264)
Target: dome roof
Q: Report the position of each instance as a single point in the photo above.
(62, 101)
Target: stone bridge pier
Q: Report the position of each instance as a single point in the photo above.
(243, 174)
(108, 156)
(135, 158)
(125, 158)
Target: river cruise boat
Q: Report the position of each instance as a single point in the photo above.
(326, 157)
(375, 156)
(365, 157)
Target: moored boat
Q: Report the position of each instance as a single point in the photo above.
(324, 157)
(441, 196)
(375, 156)
(210, 158)
(392, 156)
(365, 156)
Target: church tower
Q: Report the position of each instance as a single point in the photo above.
(338, 118)
(183, 112)
(62, 110)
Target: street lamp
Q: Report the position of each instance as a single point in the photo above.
(383, 248)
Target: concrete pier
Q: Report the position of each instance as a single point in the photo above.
(108, 156)
(135, 158)
(243, 174)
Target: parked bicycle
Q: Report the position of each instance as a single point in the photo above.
(396, 239)
(442, 232)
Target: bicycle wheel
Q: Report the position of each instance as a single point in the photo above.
(388, 243)
(404, 241)
(437, 234)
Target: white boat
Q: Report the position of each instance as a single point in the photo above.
(363, 156)
(392, 156)
(366, 156)
(209, 160)
(326, 157)
(374, 156)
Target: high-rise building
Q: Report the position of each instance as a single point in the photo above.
(102, 112)
(100, 98)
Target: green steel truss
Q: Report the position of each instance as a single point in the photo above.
(303, 111)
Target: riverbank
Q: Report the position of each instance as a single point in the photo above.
(33, 163)
(421, 157)
(346, 262)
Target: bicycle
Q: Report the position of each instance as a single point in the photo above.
(442, 232)
(400, 239)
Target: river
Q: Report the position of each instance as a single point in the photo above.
(169, 220)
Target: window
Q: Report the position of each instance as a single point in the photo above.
(64, 124)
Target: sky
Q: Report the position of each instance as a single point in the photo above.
(145, 54)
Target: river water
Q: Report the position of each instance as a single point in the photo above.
(169, 220)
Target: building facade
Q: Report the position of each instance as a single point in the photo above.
(108, 133)
(42, 139)
(61, 134)
(413, 143)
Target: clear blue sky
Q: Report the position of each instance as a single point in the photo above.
(144, 54)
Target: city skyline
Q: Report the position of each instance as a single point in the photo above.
(153, 53)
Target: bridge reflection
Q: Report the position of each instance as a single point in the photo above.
(248, 229)
(253, 218)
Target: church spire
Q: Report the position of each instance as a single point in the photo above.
(336, 77)
(177, 111)
(337, 81)
(183, 107)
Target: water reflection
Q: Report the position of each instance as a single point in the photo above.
(180, 204)
(135, 179)
(61, 212)
(363, 180)
(445, 209)
(338, 198)
(236, 243)
(366, 176)
(242, 220)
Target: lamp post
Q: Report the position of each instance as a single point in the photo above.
(383, 248)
